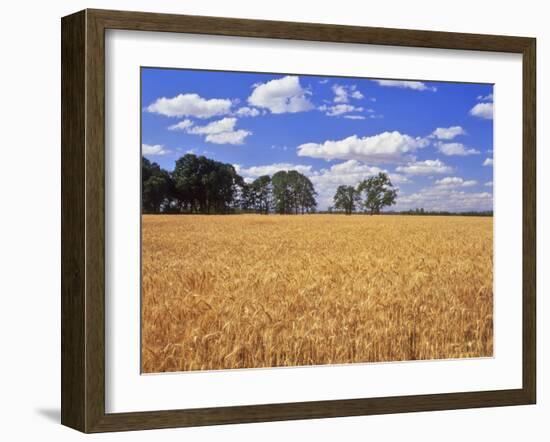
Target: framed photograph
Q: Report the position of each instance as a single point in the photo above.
(267, 221)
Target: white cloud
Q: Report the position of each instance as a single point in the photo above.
(281, 96)
(488, 97)
(397, 178)
(324, 81)
(190, 105)
(340, 94)
(215, 127)
(153, 149)
(236, 137)
(339, 109)
(427, 167)
(454, 181)
(217, 132)
(459, 149)
(351, 172)
(246, 111)
(488, 162)
(489, 184)
(355, 117)
(182, 125)
(384, 147)
(270, 169)
(343, 93)
(482, 110)
(445, 199)
(403, 84)
(448, 133)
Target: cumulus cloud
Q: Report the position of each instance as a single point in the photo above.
(427, 167)
(182, 125)
(236, 137)
(448, 133)
(381, 148)
(190, 105)
(270, 169)
(403, 84)
(281, 96)
(246, 111)
(215, 127)
(339, 109)
(482, 110)
(454, 181)
(489, 184)
(445, 199)
(458, 149)
(342, 93)
(488, 162)
(351, 172)
(153, 149)
(217, 132)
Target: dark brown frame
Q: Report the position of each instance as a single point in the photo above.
(83, 216)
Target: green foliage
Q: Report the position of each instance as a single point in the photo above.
(202, 185)
(292, 193)
(156, 187)
(377, 192)
(346, 198)
(260, 192)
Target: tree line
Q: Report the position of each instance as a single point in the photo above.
(202, 185)
(370, 195)
(421, 211)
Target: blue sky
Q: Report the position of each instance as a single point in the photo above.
(434, 139)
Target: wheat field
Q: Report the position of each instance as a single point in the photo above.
(242, 291)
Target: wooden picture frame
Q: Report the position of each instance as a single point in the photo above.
(83, 220)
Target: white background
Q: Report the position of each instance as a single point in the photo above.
(30, 231)
(128, 391)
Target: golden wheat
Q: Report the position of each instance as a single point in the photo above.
(222, 292)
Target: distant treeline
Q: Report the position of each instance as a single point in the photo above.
(422, 212)
(414, 213)
(202, 185)
(441, 213)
